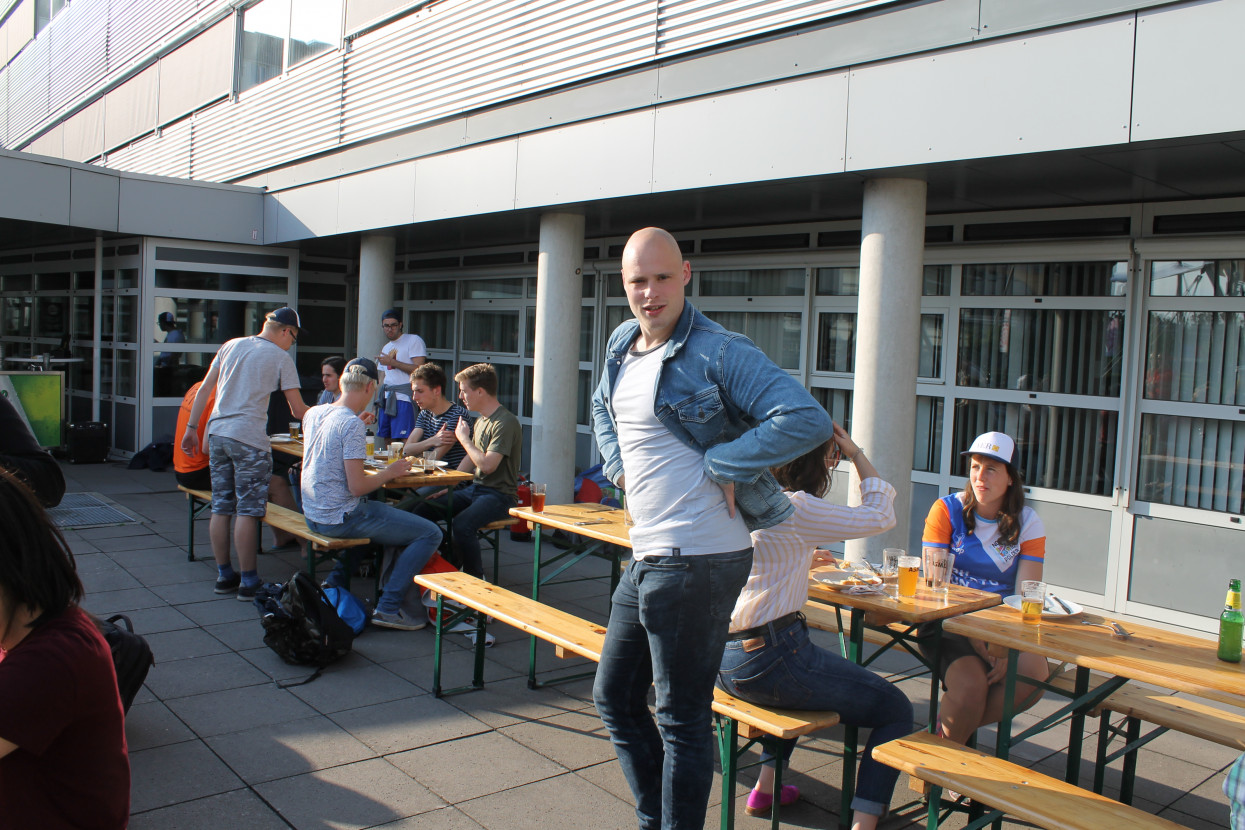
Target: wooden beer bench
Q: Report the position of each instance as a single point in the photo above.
(570, 634)
(320, 548)
(935, 763)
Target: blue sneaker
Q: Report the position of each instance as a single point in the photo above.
(229, 584)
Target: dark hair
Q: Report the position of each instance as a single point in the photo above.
(337, 362)
(431, 374)
(480, 376)
(1008, 517)
(807, 473)
(36, 568)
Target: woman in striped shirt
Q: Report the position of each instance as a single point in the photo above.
(769, 659)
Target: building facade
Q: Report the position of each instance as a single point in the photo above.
(944, 217)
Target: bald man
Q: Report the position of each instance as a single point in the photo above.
(689, 418)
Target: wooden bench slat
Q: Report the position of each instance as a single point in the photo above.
(1019, 792)
(290, 521)
(1191, 717)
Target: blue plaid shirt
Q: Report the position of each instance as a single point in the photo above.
(1234, 789)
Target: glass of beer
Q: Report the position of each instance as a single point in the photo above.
(370, 446)
(294, 427)
(909, 569)
(538, 497)
(1032, 600)
(430, 461)
(395, 451)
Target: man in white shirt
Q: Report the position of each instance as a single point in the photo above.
(398, 357)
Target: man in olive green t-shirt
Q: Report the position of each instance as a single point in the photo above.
(493, 449)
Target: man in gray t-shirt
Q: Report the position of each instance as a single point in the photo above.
(245, 372)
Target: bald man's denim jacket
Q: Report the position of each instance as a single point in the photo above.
(718, 393)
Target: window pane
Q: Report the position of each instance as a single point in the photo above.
(127, 318)
(838, 402)
(836, 342)
(1051, 279)
(491, 331)
(54, 282)
(17, 313)
(583, 407)
(19, 282)
(215, 321)
(321, 291)
(615, 316)
(1198, 278)
(529, 339)
(83, 317)
(929, 362)
(771, 282)
(50, 316)
(614, 286)
(775, 333)
(435, 327)
(937, 281)
(127, 378)
(1196, 357)
(586, 316)
(927, 444)
(212, 281)
(315, 27)
(507, 386)
(430, 290)
(264, 27)
(1072, 352)
(496, 289)
(1059, 447)
(1192, 462)
(838, 282)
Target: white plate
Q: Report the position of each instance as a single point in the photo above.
(280, 439)
(1013, 602)
(838, 580)
(438, 463)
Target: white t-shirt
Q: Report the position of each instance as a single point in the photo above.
(406, 348)
(331, 434)
(672, 500)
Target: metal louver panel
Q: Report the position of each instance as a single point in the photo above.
(4, 108)
(285, 118)
(28, 88)
(465, 54)
(694, 24)
(166, 154)
(79, 53)
(135, 26)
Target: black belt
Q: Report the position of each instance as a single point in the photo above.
(763, 629)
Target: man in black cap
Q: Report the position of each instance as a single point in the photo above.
(243, 374)
(398, 358)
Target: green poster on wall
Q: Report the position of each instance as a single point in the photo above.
(37, 396)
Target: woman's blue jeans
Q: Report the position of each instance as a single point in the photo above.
(789, 672)
(669, 619)
(385, 525)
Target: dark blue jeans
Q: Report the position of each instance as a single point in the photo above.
(667, 626)
(789, 672)
(474, 506)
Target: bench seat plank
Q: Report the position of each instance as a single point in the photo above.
(290, 521)
(1019, 792)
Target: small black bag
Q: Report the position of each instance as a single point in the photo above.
(301, 625)
(130, 654)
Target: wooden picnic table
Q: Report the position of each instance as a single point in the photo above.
(1167, 659)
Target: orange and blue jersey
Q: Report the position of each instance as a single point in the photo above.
(982, 560)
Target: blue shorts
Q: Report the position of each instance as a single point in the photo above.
(397, 426)
(240, 476)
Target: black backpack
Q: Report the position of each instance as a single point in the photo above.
(301, 625)
(130, 654)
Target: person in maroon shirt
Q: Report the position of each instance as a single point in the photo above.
(63, 759)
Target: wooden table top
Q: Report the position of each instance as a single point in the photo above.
(926, 606)
(411, 480)
(1179, 662)
(288, 447)
(608, 521)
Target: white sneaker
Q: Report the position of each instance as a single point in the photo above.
(489, 639)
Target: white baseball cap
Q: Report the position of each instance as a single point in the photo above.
(994, 445)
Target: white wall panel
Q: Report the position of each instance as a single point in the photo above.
(84, 133)
(1189, 62)
(775, 132)
(466, 182)
(377, 199)
(130, 109)
(303, 212)
(592, 160)
(33, 191)
(197, 73)
(19, 28)
(51, 143)
(1058, 89)
(93, 199)
(158, 208)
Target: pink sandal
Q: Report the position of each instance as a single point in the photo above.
(759, 803)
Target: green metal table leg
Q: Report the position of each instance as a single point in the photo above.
(728, 737)
(1077, 736)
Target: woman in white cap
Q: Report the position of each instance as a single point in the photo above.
(998, 542)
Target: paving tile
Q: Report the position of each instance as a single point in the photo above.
(179, 772)
(107, 603)
(185, 593)
(267, 753)
(238, 808)
(154, 620)
(407, 724)
(233, 710)
(572, 804)
(152, 724)
(357, 795)
(446, 818)
(174, 572)
(225, 609)
(574, 740)
(210, 673)
(163, 554)
(457, 667)
(454, 770)
(80, 547)
(99, 534)
(241, 635)
(383, 646)
(101, 580)
(129, 543)
(1206, 801)
(184, 645)
(509, 702)
(363, 686)
(94, 563)
(267, 661)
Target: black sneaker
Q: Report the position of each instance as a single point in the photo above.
(246, 593)
(229, 584)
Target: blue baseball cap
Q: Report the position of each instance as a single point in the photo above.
(369, 368)
(391, 314)
(286, 316)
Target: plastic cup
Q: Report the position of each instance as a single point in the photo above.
(294, 430)
(370, 447)
(1032, 600)
(395, 451)
(430, 460)
(939, 564)
(627, 520)
(538, 497)
(909, 568)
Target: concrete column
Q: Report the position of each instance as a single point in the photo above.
(559, 292)
(376, 252)
(888, 325)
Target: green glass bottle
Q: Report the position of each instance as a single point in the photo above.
(1231, 624)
